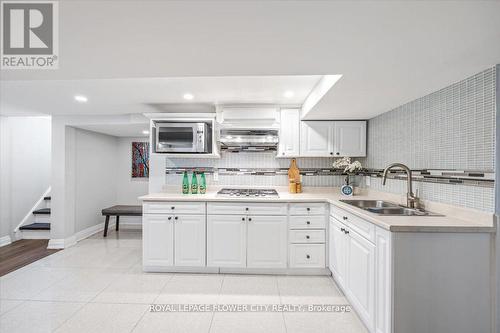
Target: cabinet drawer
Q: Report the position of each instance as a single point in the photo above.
(307, 236)
(179, 207)
(307, 255)
(314, 208)
(362, 227)
(230, 208)
(307, 222)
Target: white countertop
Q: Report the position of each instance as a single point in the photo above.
(455, 219)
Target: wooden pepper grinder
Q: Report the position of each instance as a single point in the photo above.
(294, 177)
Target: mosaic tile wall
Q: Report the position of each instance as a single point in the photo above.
(453, 128)
(261, 161)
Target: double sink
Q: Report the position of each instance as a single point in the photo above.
(382, 207)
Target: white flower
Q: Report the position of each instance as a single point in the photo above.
(345, 162)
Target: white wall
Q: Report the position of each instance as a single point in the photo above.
(25, 163)
(96, 159)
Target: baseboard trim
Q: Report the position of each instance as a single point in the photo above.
(87, 232)
(61, 243)
(5, 240)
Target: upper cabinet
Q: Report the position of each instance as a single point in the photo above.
(349, 138)
(289, 142)
(333, 138)
(316, 138)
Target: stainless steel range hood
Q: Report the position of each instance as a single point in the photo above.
(249, 140)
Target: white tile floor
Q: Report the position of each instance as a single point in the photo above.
(98, 286)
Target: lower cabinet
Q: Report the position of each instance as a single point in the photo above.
(266, 241)
(173, 240)
(246, 241)
(337, 251)
(226, 241)
(158, 240)
(360, 273)
(352, 262)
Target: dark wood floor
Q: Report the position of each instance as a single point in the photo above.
(21, 253)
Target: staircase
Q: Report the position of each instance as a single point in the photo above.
(40, 228)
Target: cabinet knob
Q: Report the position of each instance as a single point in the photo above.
(347, 231)
(243, 219)
(170, 217)
(307, 237)
(308, 209)
(337, 153)
(308, 256)
(331, 153)
(246, 209)
(342, 229)
(308, 222)
(344, 217)
(176, 218)
(172, 207)
(249, 219)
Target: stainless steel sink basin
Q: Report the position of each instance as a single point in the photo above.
(365, 204)
(388, 208)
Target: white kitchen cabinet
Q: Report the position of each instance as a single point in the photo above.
(189, 240)
(349, 138)
(266, 241)
(360, 282)
(316, 138)
(337, 251)
(383, 281)
(158, 234)
(333, 138)
(289, 142)
(226, 241)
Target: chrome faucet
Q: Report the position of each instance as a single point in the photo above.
(411, 199)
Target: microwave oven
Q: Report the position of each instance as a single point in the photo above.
(183, 137)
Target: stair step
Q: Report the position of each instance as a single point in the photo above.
(36, 226)
(45, 211)
(47, 198)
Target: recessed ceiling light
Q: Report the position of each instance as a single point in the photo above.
(81, 98)
(288, 94)
(188, 96)
(145, 132)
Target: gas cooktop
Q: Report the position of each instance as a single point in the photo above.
(248, 192)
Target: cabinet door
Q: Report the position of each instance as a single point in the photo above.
(337, 254)
(226, 241)
(266, 241)
(383, 273)
(361, 277)
(316, 138)
(158, 243)
(289, 144)
(350, 138)
(189, 240)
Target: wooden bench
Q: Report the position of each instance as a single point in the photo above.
(119, 210)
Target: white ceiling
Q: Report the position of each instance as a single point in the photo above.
(126, 96)
(389, 52)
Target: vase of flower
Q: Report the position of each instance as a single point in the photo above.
(350, 168)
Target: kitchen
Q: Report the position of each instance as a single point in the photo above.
(373, 243)
(251, 166)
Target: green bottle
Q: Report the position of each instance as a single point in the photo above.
(185, 183)
(194, 184)
(203, 184)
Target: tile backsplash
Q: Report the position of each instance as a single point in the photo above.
(258, 161)
(453, 128)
